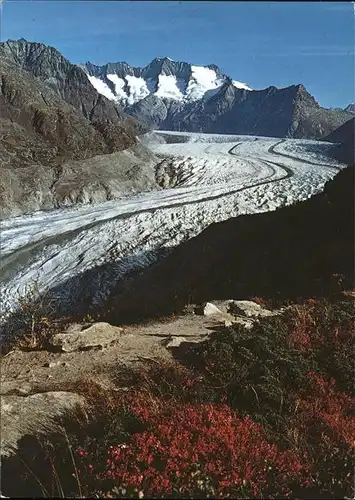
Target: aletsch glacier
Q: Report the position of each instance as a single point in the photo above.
(82, 252)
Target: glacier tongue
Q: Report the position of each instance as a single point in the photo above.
(80, 253)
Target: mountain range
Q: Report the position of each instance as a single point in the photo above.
(173, 95)
(69, 132)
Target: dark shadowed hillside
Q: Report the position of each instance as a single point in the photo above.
(344, 136)
(302, 250)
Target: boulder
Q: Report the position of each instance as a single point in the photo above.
(222, 314)
(211, 310)
(82, 337)
(33, 414)
(249, 309)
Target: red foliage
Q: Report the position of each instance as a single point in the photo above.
(309, 335)
(305, 336)
(258, 300)
(333, 409)
(200, 449)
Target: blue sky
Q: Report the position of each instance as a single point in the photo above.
(260, 43)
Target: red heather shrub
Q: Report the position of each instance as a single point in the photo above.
(319, 323)
(333, 409)
(325, 425)
(199, 449)
(305, 336)
(258, 300)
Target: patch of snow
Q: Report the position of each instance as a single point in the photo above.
(201, 80)
(137, 88)
(240, 85)
(119, 84)
(167, 87)
(101, 87)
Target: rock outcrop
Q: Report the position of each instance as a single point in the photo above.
(51, 155)
(33, 414)
(83, 337)
(71, 84)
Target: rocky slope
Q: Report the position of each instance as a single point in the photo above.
(174, 95)
(51, 155)
(72, 85)
(350, 108)
(344, 136)
(304, 249)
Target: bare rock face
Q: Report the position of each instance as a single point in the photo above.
(79, 338)
(33, 414)
(71, 84)
(51, 155)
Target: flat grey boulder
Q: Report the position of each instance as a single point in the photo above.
(35, 414)
(222, 314)
(249, 309)
(82, 337)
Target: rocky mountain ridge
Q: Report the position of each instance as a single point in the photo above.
(172, 95)
(70, 83)
(350, 108)
(51, 154)
(344, 136)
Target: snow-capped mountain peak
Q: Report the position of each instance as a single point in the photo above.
(163, 77)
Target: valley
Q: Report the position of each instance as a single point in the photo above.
(81, 253)
(177, 250)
